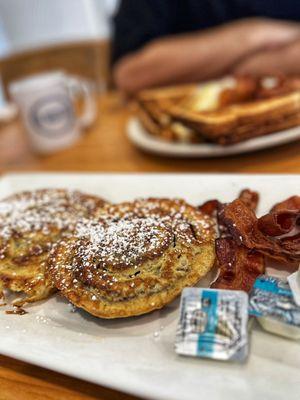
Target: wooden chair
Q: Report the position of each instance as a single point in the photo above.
(89, 59)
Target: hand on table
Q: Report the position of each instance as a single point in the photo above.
(203, 55)
(283, 60)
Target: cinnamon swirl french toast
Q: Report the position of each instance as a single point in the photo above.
(225, 111)
(30, 222)
(135, 258)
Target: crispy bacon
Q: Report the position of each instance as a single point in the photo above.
(290, 204)
(242, 224)
(245, 241)
(210, 207)
(291, 244)
(250, 198)
(282, 85)
(279, 223)
(238, 266)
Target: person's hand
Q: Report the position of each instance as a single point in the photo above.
(264, 33)
(284, 60)
(201, 55)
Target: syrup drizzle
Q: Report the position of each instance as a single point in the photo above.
(16, 311)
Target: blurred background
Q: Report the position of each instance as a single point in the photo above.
(127, 46)
(59, 34)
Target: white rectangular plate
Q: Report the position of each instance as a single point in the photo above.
(136, 355)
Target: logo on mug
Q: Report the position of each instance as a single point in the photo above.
(52, 115)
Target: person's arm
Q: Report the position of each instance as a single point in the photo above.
(199, 56)
(138, 22)
(285, 60)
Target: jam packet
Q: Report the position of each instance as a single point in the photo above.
(213, 324)
(272, 302)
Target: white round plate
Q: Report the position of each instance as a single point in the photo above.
(142, 139)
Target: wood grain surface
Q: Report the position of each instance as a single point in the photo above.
(19, 380)
(105, 148)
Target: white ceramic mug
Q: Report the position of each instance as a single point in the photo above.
(46, 105)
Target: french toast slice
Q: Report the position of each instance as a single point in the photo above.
(243, 121)
(225, 111)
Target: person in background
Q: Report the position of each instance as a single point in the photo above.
(160, 42)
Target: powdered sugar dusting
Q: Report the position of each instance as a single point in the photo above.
(125, 241)
(38, 210)
(133, 248)
(129, 233)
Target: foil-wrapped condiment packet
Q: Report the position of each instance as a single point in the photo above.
(272, 302)
(213, 324)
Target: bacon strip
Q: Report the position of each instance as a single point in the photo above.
(244, 240)
(242, 224)
(238, 266)
(210, 207)
(279, 223)
(290, 204)
(249, 198)
(291, 244)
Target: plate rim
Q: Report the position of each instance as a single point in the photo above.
(138, 135)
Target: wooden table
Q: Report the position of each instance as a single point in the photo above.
(106, 148)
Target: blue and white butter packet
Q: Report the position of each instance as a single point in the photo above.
(213, 324)
(272, 302)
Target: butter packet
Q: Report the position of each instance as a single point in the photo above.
(272, 302)
(213, 324)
